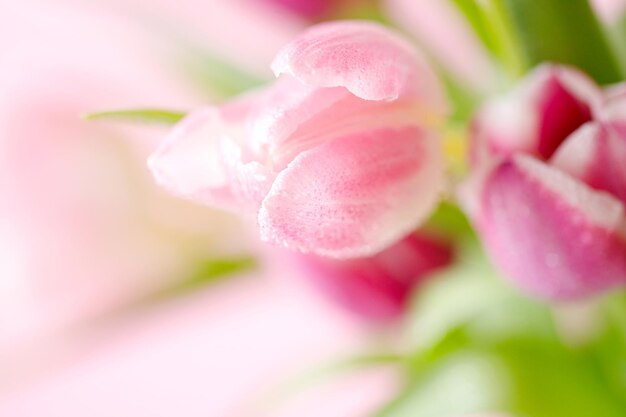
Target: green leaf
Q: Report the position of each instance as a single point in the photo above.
(483, 347)
(151, 116)
(524, 381)
(463, 383)
(463, 100)
(470, 305)
(617, 35)
(561, 31)
(475, 16)
(508, 46)
(450, 221)
(609, 349)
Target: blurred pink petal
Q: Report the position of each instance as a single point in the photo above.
(378, 288)
(446, 34)
(221, 352)
(216, 26)
(551, 234)
(371, 62)
(88, 230)
(355, 194)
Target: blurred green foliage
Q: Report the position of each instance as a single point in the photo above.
(494, 29)
(217, 76)
(566, 32)
(481, 346)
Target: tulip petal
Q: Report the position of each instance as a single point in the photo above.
(204, 159)
(551, 234)
(296, 117)
(287, 106)
(595, 154)
(354, 195)
(550, 104)
(563, 107)
(372, 62)
(613, 111)
(503, 127)
(379, 287)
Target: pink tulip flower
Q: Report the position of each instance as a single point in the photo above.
(549, 188)
(339, 157)
(378, 288)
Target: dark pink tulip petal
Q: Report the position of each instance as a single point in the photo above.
(595, 154)
(550, 233)
(562, 107)
(354, 195)
(309, 9)
(372, 62)
(379, 287)
(551, 103)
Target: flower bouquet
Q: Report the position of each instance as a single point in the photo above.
(462, 198)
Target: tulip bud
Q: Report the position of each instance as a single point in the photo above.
(550, 207)
(339, 157)
(534, 118)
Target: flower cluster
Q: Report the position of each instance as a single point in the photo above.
(400, 182)
(341, 157)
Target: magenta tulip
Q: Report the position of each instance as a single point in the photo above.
(549, 187)
(309, 9)
(377, 288)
